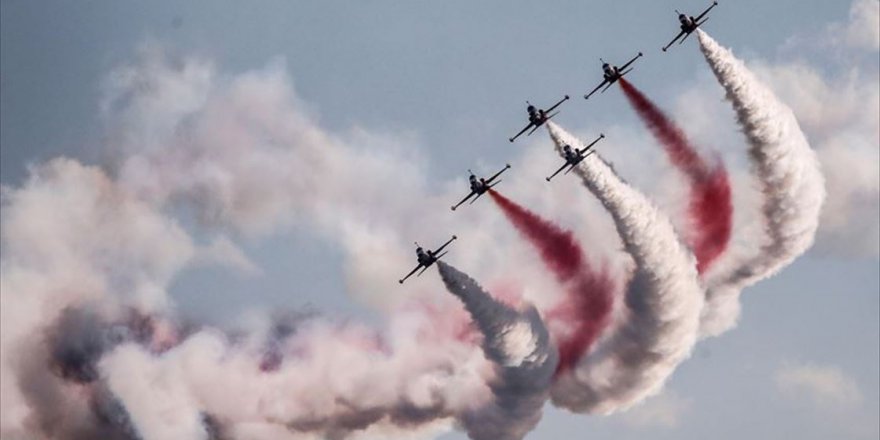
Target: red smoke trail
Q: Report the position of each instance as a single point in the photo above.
(587, 307)
(710, 208)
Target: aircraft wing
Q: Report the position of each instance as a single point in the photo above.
(673, 40)
(464, 200)
(705, 12)
(685, 37)
(498, 173)
(437, 252)
(521, 132)
(557, 171)
(536, 127)
(606, 87)
(476, 198)
(604, 81)
(623, 67)
(423, 270)
(409, 274)
(557, 104)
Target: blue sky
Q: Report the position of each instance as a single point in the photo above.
(451, 78)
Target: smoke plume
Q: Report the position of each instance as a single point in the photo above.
(789, 176)
(518, 345)
(586, 308)
(709, 208)
(662, 301)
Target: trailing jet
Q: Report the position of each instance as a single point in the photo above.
(611, 74)
(537, 117)
(689, 24)
(480, 186)
(427, 258)
(574, 157)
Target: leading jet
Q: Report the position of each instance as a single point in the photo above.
(480, 186)
(611, 74)
(689, 24)
(427, 258)
(574, 157)
(537, 117)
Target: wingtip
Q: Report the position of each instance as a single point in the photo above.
(454, 237)
(452, 208)
(507, 165)
(547, 179)
(601, 135)
(566, 96)
(640, 54)
(586, 96)
(510, 139)
(400, 281)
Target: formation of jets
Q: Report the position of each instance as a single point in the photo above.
(538, 117)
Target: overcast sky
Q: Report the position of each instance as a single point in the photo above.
(450, 79)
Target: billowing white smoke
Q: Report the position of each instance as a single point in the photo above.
(81, 253)
(790, 180)
(70, 236)
(662, 301)
(518, 344)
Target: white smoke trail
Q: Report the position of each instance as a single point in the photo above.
(662, 302)
(790, 180)
(519, 346)
(79, 252)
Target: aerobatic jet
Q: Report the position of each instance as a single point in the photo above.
(689, 24)
(480, 186)
(537, 117)
(611, 74)
(574, 157)
(426, 258)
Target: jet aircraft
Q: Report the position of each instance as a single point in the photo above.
(611, 74)
(689, 24)
(480, 186)
(574, 157)
(427, 258)
(537, 117)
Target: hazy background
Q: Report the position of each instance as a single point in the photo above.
(453, 77)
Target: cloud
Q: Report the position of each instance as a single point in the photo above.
(827, 387)
(665, 410)
(863, 29)
(221, 251)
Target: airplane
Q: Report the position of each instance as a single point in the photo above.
(537, 117)
(480, 186)
(426, 258)
(611, 74)
(689, 24)
(574, 157)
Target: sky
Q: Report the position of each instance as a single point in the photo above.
(428, 90)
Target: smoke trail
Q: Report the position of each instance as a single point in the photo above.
(710, 209)
(519, 346)
(587, 307)
(663, 300)
(790, 181)
(79, 253)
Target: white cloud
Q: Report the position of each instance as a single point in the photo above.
(665, 410)
(827, 387)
